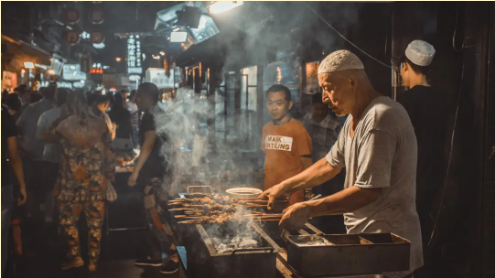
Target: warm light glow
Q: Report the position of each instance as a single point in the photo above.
(99, 45)
(29, 65)
(51, 71)
(156, 57)
(162, 53)
(118, 59)
(279, 75)
(222, 6)
(178, 36)
(23, 71)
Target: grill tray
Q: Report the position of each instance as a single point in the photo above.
(204, 261)
(345, 255)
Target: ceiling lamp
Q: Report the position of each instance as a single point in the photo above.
(222, 6)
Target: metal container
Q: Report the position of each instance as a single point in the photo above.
(350, 254)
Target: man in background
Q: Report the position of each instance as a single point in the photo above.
(286, 142)
(133, 109)
(33, 155)
(11, 160)
(153, 171)
(51, 152)
(323, 126)
(428, 111)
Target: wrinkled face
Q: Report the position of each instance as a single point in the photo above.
(405, 69)
(277, 104)
(319, 111)
(337, 92)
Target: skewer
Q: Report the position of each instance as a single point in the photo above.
(204, 222)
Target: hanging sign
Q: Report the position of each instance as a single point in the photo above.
(97, 37)
(72, 37)
(72, 15)
(134, 54)
(96, 16)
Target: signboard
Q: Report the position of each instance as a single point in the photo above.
(73, 72)
(64, 85)
(134, 77)
(135, 70)
(72, 36)
(72, 15)
(160, 78)
(134, 54)
(97, 37)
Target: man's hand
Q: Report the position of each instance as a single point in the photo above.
(272, 194)
(132, 179)
(295, 216)
(23, 196)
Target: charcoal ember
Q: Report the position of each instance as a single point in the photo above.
(238, 242)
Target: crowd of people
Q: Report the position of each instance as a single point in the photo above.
(58, 159)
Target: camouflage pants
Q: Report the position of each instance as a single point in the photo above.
(160, 235)
(69, 217)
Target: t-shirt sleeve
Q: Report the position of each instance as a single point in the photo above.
(148, 122)
(22, 118)
(375, 160)
(41, 127)
(335, 156)
(304, 143)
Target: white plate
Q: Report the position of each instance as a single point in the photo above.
(244, 192)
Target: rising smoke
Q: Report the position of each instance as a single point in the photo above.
(272, 27)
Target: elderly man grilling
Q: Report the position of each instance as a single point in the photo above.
(377, 145)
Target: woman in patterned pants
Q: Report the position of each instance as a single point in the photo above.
(86, 165)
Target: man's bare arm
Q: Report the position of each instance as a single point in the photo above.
(347, 200)
(317, 174)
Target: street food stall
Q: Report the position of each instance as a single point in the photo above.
(224, 236)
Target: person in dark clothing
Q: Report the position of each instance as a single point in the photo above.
(99, 108)
(153, 173)
(11, 160)
(121, 117)
(5, 93)
(428, 112)
(14, 105)
(35, 97)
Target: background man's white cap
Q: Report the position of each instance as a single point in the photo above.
(420, 53)
(340, 60)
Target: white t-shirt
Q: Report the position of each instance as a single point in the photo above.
(382, 154)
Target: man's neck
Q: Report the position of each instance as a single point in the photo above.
(283, 120)
(363, 100)
(418, 80)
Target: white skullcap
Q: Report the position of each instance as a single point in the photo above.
(340, 60)
(420, 53)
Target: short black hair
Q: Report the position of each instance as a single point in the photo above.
(62, 94)
(417, 69)
(35, 97)
(13, 102)
(280, 88)
(150, 89)
(48, 92)
(100, 99)
(118, 100)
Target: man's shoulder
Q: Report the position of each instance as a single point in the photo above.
(297, 127)
(385, 113)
